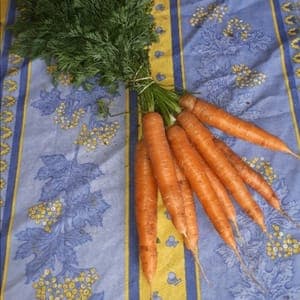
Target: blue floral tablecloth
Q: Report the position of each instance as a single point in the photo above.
(67, 215)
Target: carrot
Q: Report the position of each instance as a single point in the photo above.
(216, 117)
(191, 241)
(203, 141)
(188, 159)
(221, 193)
(163, 168)
(146, 211)
(253, 178)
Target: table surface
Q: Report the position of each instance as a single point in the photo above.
(67, 213)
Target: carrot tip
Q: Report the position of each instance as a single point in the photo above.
(289, 218)
(294, 154)
(184, 234)
(151, 290)
(237, 232)
(248, 272)
(263, 228)
(195, 255)
(267, 234)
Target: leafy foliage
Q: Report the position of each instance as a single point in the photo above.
(106, 40)
(87, 38)
(95, 42)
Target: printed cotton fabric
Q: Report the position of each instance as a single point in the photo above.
(67, 198)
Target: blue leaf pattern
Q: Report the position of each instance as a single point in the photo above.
(35, 268)
(74, 99)
(68, 181)
(70, 105)
(257, 41)
(215, 53)
(49, 102)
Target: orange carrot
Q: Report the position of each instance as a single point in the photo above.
(253, 178)
(191, 241)
(188, 159)
(216, 117)
(221, 193)
(203, 141)
(163, 168)
(146, 211)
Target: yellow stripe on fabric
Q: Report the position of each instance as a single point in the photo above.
(169, 281)
(13, 209)
(285, 75)
(163, 64)
(127, 195)
(181, 45)
(3, 14)
(170, 262)
(181, 42)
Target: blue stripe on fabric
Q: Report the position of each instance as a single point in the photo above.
(288, 61)
(190, 271)
(133, 238)
(190, 275)
(13, 165)
(6, 45)
(177, 68)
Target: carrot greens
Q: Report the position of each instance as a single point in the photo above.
(104, 39)
(87, 38)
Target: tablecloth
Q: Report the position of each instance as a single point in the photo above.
(67, 198)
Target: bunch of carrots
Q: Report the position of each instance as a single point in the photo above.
(186, 158)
